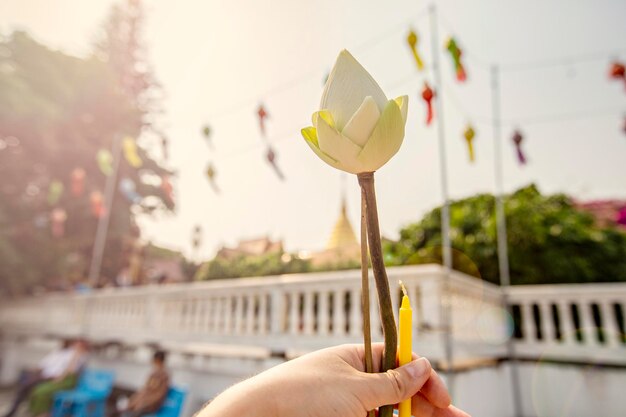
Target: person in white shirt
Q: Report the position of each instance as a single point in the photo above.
(53, 366)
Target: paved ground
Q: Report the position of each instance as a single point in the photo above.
(6, 397)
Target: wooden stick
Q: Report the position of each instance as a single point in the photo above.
(366, 181)
(365, 293)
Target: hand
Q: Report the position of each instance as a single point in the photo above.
(333, 382)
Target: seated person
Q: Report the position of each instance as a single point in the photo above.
(62, 374)
(52, 366)
(152, 395)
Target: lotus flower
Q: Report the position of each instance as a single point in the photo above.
(357, 129)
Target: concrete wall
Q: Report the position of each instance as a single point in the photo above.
(548, 389)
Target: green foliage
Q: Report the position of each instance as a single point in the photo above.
(247, 266)
(549, 240)
(57, 111)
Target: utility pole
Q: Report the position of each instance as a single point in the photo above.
(103, 222)
(446, 308)
(503, 255)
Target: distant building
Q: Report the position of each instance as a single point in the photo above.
(606, 212)
(251, 247)
(342, 248)
(161, 265)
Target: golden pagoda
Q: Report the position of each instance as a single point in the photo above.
(342, 248)
(342, 235)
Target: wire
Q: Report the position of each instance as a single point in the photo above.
(551, 118)
(534, 65)
(313, 73)
(447, 92)
(532, 120)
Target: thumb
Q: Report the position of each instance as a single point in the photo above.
(395, 385)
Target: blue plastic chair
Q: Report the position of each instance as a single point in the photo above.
(89, 397)
(173, 404)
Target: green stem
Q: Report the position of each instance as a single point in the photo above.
(366, 181)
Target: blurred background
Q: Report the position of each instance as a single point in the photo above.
(156, 193)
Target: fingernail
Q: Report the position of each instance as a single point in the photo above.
(418, 367)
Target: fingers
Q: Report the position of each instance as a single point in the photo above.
(422, 407)
(395, 385)
(435, 391)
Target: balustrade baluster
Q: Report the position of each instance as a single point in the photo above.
(610, 326)
(308, 312)
(294, 313)
(250, 313)
(356, 322)
(568, 330)
(225, 322)
(339, 314)
(547, 324)
(587, 324)
(528, 322)
(322, 313)
(262, 316)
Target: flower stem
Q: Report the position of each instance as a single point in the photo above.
(365, 292)
(366, 181)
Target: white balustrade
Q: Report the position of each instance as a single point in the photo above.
(577, 321)
(308, 311)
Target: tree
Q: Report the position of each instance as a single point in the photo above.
(56, 112)
(275, 263)
(549, 240)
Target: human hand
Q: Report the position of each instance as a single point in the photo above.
(333, 382)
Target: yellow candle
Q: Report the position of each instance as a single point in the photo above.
(406, 343)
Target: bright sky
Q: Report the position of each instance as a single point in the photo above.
(217, 60)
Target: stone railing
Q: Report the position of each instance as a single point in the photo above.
(580, 322)
(299, 312)
(282, 313)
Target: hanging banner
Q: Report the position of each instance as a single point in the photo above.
(78, 182)
(167, 187)
(105, 161)
(427, 96)
(206, 132)
(617, 71)
(271, 158)
(129, 148)
(211, 173)
(97, 204)
(455, 54)
(58, 216)
(518, 138)
(469, 134)
(128, 188)
(412, 39)
(55, 191)
(262, 117)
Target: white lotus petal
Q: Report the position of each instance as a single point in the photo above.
(347, 86)
(385, 140)
(338, 147)
(363, 122)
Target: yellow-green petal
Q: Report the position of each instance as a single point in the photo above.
(362, 123)
(385, 140)
(323, 114)
(403, 103)
(338, 146)
(310, 137)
